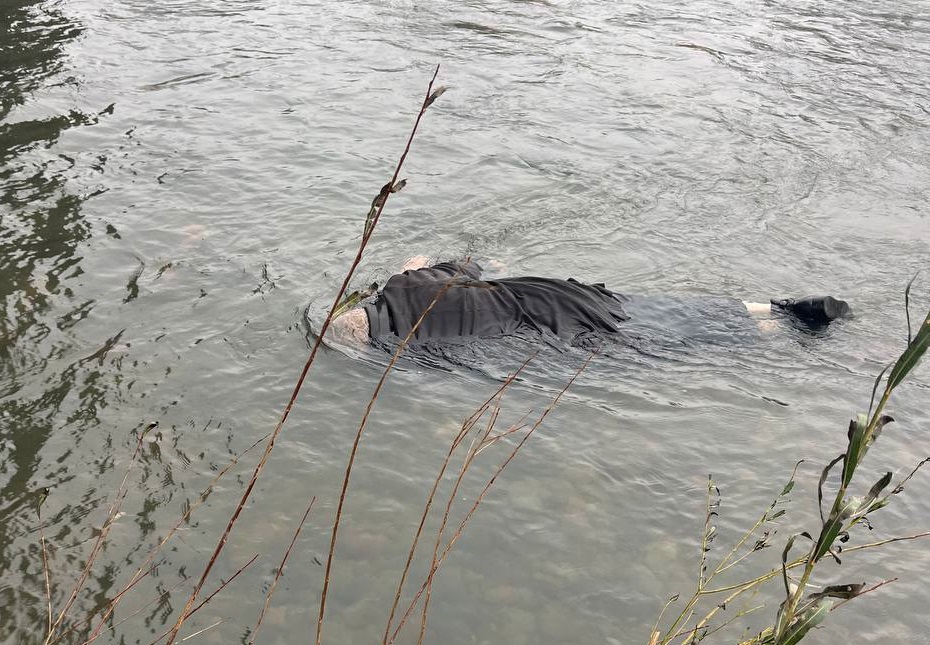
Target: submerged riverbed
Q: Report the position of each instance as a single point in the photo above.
(183, 181)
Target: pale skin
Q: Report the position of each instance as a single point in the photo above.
(351, 328)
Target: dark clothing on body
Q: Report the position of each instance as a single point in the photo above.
(468, 306)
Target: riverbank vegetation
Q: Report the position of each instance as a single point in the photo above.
(846, 502)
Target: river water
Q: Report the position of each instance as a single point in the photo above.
(182, 180)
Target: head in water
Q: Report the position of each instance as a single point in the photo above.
(350, 328)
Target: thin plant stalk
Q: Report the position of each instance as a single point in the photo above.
(480, 498)
(223, 585)
(45, 570)
(674, 630)
(466, 464)
(279, 573)
(478, 444)
(353, 452)
(371, 223)
(141, 572)
(199, 632)
(800, 612)
(220, 588)
(112, 512)
(467, 425)
(96, 634)
(163, 595)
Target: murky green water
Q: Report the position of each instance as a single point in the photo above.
(181, 179)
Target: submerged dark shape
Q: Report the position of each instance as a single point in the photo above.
(450, 303)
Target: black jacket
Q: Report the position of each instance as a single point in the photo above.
(467, 306)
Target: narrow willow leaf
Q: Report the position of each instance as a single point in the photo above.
(376, 203)
(877, 488)
(875, 385)
(844, 592)
(857, 428)
(790, 484)
(880, 423)
(347, 303)
(784, 564)
(805, 622)
(396, 188)
(354, 298)
(823, 480)
(907, 306)
(911, 356)
(832, 529)
(439, 91)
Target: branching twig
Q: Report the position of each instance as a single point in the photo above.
(480, 498)
(141, 572)
(370, 225)
(467, 425)
(354, 452)
(101, 538)
(279, 573)
(163, 595)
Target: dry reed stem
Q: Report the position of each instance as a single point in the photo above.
(753, 584)
(445, 516)
(45, 571)
(280, 572)
(199, 632)
(222, 586)
(466, 428)
(111, 607)
(862, 593)
(247, 493)
(104, 531)
(138, 611)
(740, 614)
(480, 498)
(354, 451)
(513, 429)
(887, 541)
(473, 450)
(95, 634)
(720, 605)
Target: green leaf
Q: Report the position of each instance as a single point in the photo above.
(907, 306)
(823, 480)
(808, 619)
(784, 562)
(854, 452)
(875, 385)
(790, 484)
(832, 529)
(877, 488)
(911, 356)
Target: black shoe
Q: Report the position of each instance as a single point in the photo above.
(817, 310)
